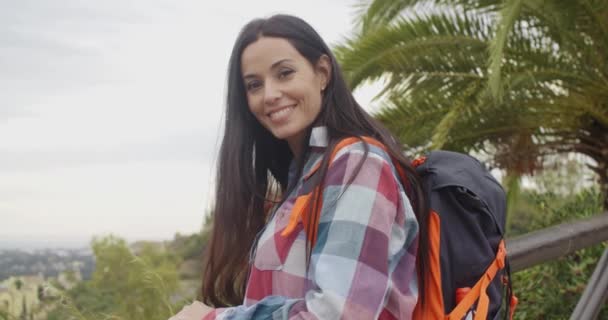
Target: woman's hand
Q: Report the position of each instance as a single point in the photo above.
(195, 311)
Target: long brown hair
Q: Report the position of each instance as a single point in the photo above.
(253, 164)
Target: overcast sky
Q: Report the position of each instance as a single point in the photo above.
(110, 110)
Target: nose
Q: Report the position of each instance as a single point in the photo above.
(272, 93)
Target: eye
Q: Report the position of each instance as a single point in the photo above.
(283, 73)
(252, 85)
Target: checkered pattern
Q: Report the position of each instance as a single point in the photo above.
(363, 264)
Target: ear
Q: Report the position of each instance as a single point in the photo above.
(323, 70)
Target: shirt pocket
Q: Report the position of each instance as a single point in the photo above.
(276, 252)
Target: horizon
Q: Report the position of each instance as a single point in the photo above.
(42, 242)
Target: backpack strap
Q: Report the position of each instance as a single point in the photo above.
(433, 307)
(478, 292)
(303, 202)
(510, 298)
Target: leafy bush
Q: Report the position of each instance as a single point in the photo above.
(551, 290)
(124, 286)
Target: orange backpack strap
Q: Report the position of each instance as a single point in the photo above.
(298, 210)
(348, 141)
(303, 202)
(478, 292)
(433, 307)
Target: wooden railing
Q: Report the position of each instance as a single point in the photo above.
(553, 242)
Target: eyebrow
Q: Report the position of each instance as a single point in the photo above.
(274, 65)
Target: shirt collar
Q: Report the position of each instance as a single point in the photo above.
(318, 137)
(318, 140)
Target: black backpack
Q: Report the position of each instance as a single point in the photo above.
(469, 212)
(466, 273)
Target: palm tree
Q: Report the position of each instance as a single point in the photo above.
(516, 80)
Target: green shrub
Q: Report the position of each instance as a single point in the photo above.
(124, 286)
(551, 290)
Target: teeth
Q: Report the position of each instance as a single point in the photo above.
(280, 112)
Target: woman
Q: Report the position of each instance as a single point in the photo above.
(287, 108)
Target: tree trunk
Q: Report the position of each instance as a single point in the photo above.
(597, 140)
(603, 179)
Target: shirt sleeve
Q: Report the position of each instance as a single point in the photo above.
(364, 233)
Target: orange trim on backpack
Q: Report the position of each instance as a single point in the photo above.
(433, 297)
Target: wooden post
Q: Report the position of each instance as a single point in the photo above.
(596, 292)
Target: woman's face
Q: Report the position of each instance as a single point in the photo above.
(284, 90)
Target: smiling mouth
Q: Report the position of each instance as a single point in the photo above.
(280, 113)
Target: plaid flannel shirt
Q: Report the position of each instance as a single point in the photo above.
(363, 264)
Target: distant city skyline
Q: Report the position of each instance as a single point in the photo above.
(110, 111)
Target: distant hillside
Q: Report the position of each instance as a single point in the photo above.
(48, 262)
(30, 260)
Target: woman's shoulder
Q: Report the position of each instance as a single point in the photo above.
(360, 146)
(362, 159)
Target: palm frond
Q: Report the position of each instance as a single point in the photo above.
(443, 128)
(508, 15)
(379, 13)
(436, 43)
